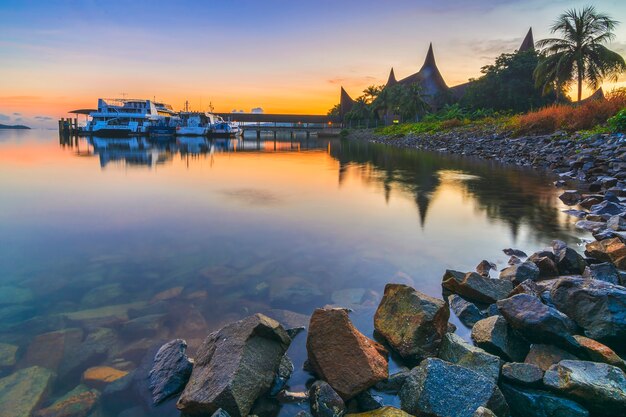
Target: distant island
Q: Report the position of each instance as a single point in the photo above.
(13, 126)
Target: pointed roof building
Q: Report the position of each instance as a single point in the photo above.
(528, 44)
(392, 79)
(345, 103)
(428, 76)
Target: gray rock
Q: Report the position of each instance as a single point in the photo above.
(475, 287)
(525, 374)
(538, 322)
(368, 401)
(285, 369)
(514, 252)
(437, 388)
(393, 384)
(568, 261)
(457, 351)
(570, 197)
(598, 386)
(325, 402)
(467, 312)
(171, 370)
(494, 335)
(525, 402)
(607, 207)
(234, 366)
(616, 223)
(519, 273)
(605, 272)
(596, 306)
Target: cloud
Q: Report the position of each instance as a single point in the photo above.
(4, 117)
(43, 118)
(17, 114)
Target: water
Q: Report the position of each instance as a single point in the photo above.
(194, 234)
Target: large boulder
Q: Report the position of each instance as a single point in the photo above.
(598, 386)
(525, 402)
(437, 388)
(340, 355)
(476, 287)
(596, 306)
(234, 366)
(495, 336)
(23, 391)
(608, 250)
(413, 323)
(544, 356)
(171, 370)
(536, 321)
(518, 273)
(325, 402)
(457, 351)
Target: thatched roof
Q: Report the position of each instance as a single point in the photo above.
(528, 44)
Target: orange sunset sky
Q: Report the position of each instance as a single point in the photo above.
(282, 56)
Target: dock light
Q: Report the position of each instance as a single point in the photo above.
(396, 121)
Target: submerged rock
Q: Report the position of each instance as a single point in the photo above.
(171, 370)
(457, 351)
(325, 402)
(413, 323)
(598, 386)
(77, 403)
(234, 366)
(496, 337)
(48, 350)
(438, 388)
(100, 376)
(342, 356)
(475, 287)
(537, 321)
(7, 355)
(596, 306)
(22, 391)
(525, 402)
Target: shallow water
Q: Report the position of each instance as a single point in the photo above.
(193, 234)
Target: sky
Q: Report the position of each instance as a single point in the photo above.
(284, 56)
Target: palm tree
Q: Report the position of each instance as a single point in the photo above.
(581, 53)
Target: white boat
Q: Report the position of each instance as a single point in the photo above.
(194, 124)
(124, 117)
(221, 127)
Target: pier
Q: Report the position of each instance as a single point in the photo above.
(321, 125)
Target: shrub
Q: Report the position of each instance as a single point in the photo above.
(617, 123)
(570, 117)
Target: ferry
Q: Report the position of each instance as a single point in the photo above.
(222, 127)
(194, 124)
(126, 117)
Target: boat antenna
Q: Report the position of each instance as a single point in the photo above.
(210, 107)
(187, 105)
(123, 95)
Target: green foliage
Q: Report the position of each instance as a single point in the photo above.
(507, 85)
(335, 111)
(344, 133)
(405, 101)
(580, 54)
(617, 123)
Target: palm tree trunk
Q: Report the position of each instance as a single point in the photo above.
(580, 81)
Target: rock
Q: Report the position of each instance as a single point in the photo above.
(514, 252)
(457, 351)
(596, 306)
(525, 402)
(368, 401)
(520, 272)
(538, 322)
(303, 413)
(570, 197)
(598, 352)
(382, 412)
(168, 294)
(120, 394)
(467, 312)
(608, 250)
(234, 366)
(340, 355)
(49, 349)
(144, 326)
(616, 223)
(93, 349)
(393, 384)
(607, 207)
(437, 388)
(544, 356)
(23, 391)
(325, 402)
(285, 369)
(103, 295)
(514, 260)
(413, 323)
(348, 297)
(171, 370)
(99, 376)
(77, 403)
(7, 355)
(605, 272)
(483, 412)
(285, 396)
(599, 387)
(103, 316)
(475, 287)
(294, 291)
(525, 374)
(496, 337)
(547, 266)
(591, 226)
(484, 267)
(220, 413)
(568, 261)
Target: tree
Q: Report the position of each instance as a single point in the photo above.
(371, 92)
(507, 85)
(335, 111)
(580, 54)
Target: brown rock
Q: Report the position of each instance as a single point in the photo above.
(598, 352)
(608, 250)
(49, 349)
(168, 294)
(544, 356)
(475, 287)
(341, 355)
(100, 376)
(76, 403)
(413, 323)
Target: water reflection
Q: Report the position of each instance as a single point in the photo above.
(133, 242)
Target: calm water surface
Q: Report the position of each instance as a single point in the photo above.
(148, 241)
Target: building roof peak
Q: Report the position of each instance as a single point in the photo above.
(528, 44)
(430, 57)
(392, 78)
